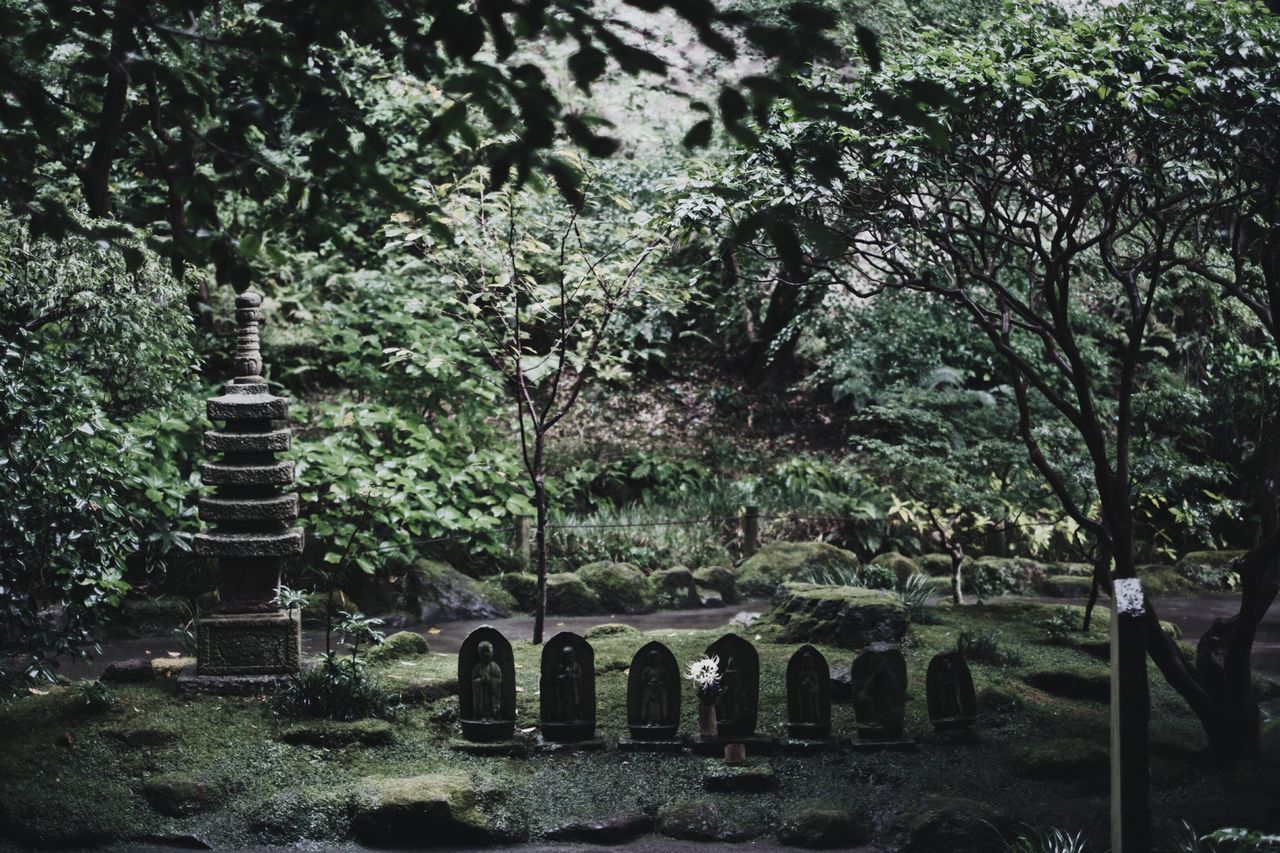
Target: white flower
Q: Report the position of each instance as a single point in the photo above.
(704, 672)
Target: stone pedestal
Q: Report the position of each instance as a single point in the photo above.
(247, 643)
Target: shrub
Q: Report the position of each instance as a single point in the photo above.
(914, 591)
(95, 696)
(1061, 625)
(1046, 841)
(335, 689)
(878, 577)
(984, 647)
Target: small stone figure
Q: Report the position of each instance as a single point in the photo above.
(487, 676)
(486, 685)
(739, 686)
(949, 692)
(879, 682)
(808, 695)
(653, 694)
(568, 701)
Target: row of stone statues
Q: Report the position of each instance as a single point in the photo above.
(567, 706)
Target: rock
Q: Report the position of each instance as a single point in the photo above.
(720, 579)
(435, 809)
(951, 825)
(1061, 758)
(1075, 570)
(901, 566)
(177, 841)
(841, 683)
(180, 795)
(167, 667)
(402, 644)
(569, 595)
(939, 565)
(437, 592)
(819, 828)
(844, 616)
(422, 691)
(675, 587)
(742, 777)
(701, 821)
(1076, 682)
(1067, 586)
(609, 629)
(620, 587)
(779, 562)
(608, 830)
(131, 671)
(745, 618)
(709, 598)
(311, 813)
(522, 587)
(993, 576)
(331, 734)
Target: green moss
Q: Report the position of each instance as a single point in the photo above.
(939, 565)
(522, 587)
(1165, 581)
(1061, 758)
(825, 827)
(620, 587)
(901, 566)
(779, 562)
(331, 734)
(846, 616)
(569, 595)
(180, 795)
(151, 617)
(1075, 570)
(720, 579)
(440, 809)
(402, 644)
(609, 629)
(1067, 586)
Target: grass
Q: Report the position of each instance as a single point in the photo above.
(66, 776)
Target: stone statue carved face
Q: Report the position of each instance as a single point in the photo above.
(654, 658)
(485, 650)
(567, 654)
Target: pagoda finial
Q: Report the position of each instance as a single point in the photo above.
(248, 354)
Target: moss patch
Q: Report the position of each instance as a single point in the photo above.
(1067, 586)
(718, 579)
(1071, 759)
(902, 567)
(620, 587)
(435, 810)
(569, 595)
(846, 616)
(328, 733)
(779, 562)
(402, 644)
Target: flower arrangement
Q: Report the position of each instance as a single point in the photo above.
(705, 675)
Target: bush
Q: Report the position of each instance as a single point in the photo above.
(95, 696)
(335, 689)
(914, 591)
(621, 587)
(984, 647)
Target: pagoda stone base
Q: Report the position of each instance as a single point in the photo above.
(190, 684)
(249, 644)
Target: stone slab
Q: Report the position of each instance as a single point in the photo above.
(714, 746)
(273, 474)
(272, 441)
(283, 543)
(247, 407)
(799, 746)
(493, 749)
(249, 644)
(190, 684)
(858, 745)
(749, 778)
(673, 745)
(283, 508)
(551, 747)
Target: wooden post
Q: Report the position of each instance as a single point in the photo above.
(524, 524)
(750, 530)
(1130, 720)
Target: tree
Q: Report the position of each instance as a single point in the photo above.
(540, 282)
(1063, 200)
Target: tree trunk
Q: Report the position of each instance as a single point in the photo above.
(540, 540)
(957, 560)
(96, 170)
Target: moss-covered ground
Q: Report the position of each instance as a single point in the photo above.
(69, 777)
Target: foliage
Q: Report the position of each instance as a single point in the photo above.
(337, 689)
(95, 695)
(1061, 625)
(86, 346)
(913, 591)
(1052, 840)
(985, 647)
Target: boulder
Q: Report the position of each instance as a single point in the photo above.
(437, 592)
(569, 595)
(754, 778)
(421, 690)
(702, 821)
(1061, 758)
(1067, 586)
(819, 828)
(1075, 682)
(844, 616)
(615, 829)
(620, 587)
(992, 576)
(779, 562)
(939, 565)
(311, 813)
(436, 810)
(180, 795)
(718, 579)
(951, 825)
(609, 629)
(129, 671)
(901, 566)
(1076, 570)
(709, 597)
(331, 734)
(522, 587)
(675, 587)
(402, 644)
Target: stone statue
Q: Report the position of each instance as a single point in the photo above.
(568, 689)
(808, 695)
(487, 682)
(949, 692)
(739, 698)
(878, 679)
(486, 685)
(653, 694)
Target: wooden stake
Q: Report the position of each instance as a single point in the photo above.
(1130, 720)
(750, 530)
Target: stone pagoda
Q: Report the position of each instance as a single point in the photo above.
(247, 643)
